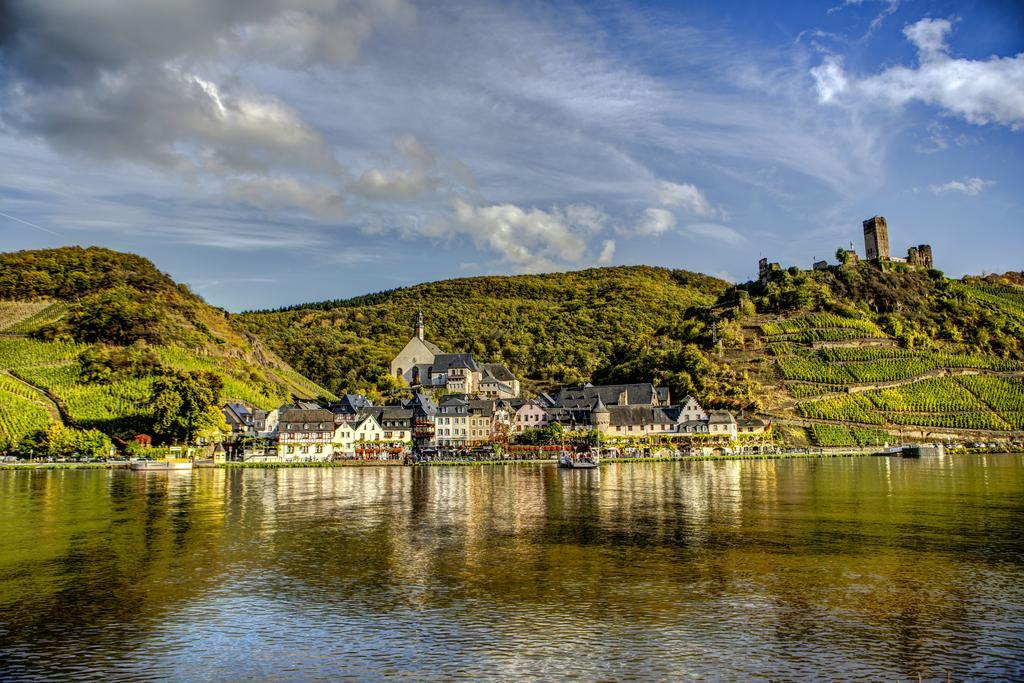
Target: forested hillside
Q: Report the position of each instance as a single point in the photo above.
(871, 350)
(85, 333)
(548, 329)
(850, 353)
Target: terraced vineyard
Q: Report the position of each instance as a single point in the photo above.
(31, 317)
(822, 323)
(118, 406)
(1006, 297)
(19, 415)
(1003, 395)
(99, 405)
(975, 402)
(835, 435)
(914, 386)
(869, 365)
(13, 312)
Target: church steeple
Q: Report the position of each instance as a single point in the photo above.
(419, 325)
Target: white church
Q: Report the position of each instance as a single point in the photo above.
(423, 364)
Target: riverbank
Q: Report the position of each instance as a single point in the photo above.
(300, 464)
(65, 466)
(468, 463)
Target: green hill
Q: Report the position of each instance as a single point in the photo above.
(840, 356)
(813, 347)
(548, 329)
(906, 351)
(84, 333)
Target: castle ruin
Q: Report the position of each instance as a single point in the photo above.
(876, 239)
(876, 251)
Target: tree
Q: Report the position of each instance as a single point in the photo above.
(58, 441)
(118, 316)
(842, 256)
(185, 404)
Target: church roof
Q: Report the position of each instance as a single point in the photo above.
(445, 361)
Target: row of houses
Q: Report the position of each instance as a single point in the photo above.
(481, 405)
(354, 428)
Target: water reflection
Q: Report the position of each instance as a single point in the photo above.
(843, 568)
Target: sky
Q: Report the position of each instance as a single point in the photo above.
(275, 152)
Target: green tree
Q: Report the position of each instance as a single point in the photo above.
(185, 404)
(116, 316)
(59, 441)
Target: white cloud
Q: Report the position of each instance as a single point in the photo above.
(380, 184)
(589, 218)
(979, 91)
(941, 138)
(829, 79)
(929, 37)
(607, 252)
(531, 239)
(686, 196)
(969, 186)
(655, 222)
(714, 231)
(322, 201)
(890, 6)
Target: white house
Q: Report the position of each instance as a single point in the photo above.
(722, 423)
(357, 435)
(306, 435)
(690, 409)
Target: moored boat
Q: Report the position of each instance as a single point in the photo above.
(163, 465)
(570, 462)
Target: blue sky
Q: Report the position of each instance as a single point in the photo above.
(271, 152)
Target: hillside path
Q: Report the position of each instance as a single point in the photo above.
(52, 408)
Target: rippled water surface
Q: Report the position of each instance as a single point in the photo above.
(860, 568)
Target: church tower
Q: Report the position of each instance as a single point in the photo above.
(419, 325)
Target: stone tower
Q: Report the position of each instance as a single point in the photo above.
(419, 325)
(876, 239)
(600, 417)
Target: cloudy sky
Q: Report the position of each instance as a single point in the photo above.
(271, 152)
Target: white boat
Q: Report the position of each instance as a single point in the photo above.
(164, 465)
(569, 462)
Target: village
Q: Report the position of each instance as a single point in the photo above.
(461, 408)
(464, 409)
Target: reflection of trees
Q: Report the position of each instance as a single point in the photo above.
(864, 559)
(103, 552)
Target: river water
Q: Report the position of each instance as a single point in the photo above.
(843, 568)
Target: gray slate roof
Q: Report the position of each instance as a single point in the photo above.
(497, 371)
(293, 420)
(444, 361)
(638, 415)
(721, 417)
(578, 397)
